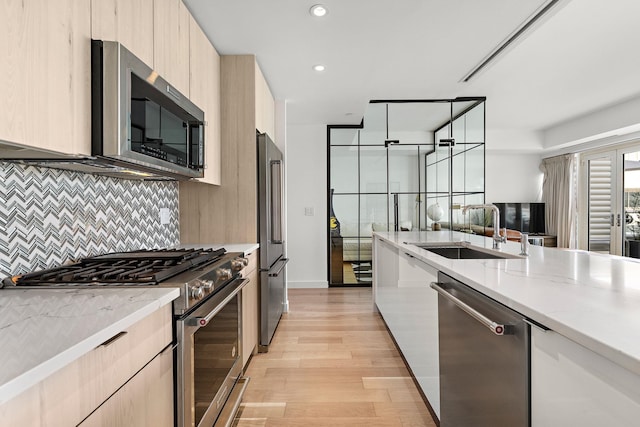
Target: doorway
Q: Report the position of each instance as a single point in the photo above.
(612, 203)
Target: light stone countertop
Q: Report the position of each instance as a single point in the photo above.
(43, 330)
(590, 298)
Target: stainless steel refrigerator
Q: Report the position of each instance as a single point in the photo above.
(270, 227)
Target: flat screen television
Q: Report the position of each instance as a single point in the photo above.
(524, 217)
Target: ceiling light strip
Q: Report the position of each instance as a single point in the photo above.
(517, 34)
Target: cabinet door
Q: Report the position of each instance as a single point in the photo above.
(385, 275)
(409, 307)
(417, 334)
(204, 87)
(45, 74)
(171, 42)
(77, 389)
(145, 400)
(250, 310)
(573, 386)
(129, 22)
(265, 107)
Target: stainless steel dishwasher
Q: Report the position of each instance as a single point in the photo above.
(484, 359)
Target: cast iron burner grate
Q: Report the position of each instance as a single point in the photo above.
(148, 267)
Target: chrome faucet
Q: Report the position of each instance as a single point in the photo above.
(497, 238)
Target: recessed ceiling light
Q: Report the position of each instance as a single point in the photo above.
(318, 10)
(319, 67)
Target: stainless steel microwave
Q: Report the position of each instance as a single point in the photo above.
(140, 121)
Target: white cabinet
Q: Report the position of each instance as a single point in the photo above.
(573, 386)
(410, 310)
(250, 309)
(45, 75)
(204, 86)
(171, 43)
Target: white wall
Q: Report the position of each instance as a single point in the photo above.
(614, 120)
(307, 188)
(512, 166)
(512, 177)
(524, 141)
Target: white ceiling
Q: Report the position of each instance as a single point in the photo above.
(583, 56)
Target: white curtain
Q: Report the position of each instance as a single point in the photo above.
(559, 196)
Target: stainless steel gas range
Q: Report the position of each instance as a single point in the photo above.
(207, 314)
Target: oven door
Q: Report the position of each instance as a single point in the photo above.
(208, 362)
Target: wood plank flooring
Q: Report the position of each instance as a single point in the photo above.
(331, 363)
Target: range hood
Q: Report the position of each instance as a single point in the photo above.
(95, 165)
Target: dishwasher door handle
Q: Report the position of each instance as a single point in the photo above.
(496, 328)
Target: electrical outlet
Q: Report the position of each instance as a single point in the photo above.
(165, 216)
(309, 211)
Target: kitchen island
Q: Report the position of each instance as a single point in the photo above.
(585, 309)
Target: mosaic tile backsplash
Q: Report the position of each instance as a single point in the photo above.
(49, 217)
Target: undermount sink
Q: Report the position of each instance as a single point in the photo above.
(463, 250)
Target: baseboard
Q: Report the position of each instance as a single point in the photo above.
(319, 284)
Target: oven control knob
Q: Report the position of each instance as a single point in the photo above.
(239, 263)
(196, 292)
(223, 274)
(207, 285)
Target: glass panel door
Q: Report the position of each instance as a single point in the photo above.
(406, 188)
(601, 204)
(613, 202)
(631, 200)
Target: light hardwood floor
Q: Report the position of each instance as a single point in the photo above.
(331, 363)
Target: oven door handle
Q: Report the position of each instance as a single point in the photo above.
(228, 293)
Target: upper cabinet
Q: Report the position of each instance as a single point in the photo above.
(156, 31)
(265, 107)
(171, 43)
(129, 22)
(246, 105)
(204, 86)
(45, 74)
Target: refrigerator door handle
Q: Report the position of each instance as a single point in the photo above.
(276, 201)
(277, 273)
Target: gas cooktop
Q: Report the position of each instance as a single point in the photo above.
(145, 267)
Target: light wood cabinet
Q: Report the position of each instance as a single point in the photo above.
(45, 74)
(69, 395)
(171, 42)
(265, 107)
(250, 309)
(229, 213)
(129, 22)
(145, 400)
(204, 87)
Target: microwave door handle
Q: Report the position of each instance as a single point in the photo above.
(201, 147)
(276, 201)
